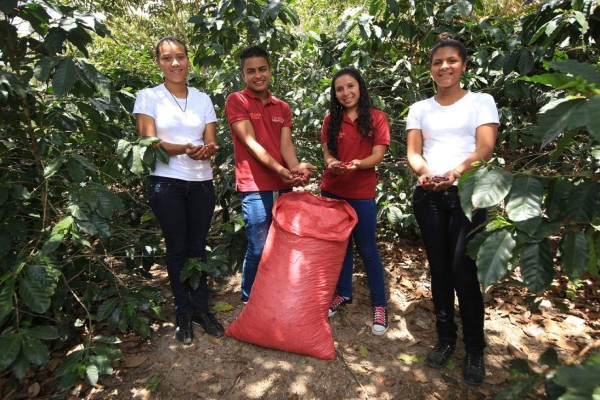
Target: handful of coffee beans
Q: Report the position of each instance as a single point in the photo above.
(429, 180)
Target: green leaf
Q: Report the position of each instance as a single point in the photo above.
(107, 339)
(537, 267)
(450, 365)
(555, 80)
(576, 68)
(491, 188)
(98, 80)
(63, 226)
(526, 62)
(75, 170)
(525, 199)
(493, 257)
(7, 290)
(582, 201)
(466, 186)
(11, 346)
(517, 390)
(575, 254)
(44, 68)
(123, 148)
(593, 359)
(106, 308)
(137, 166)
(410, 358)
(35, 351)
(591, 111)
(581, 377)
(44, 332)
(363, 351)
(64, 78)
(52, 244)
(20, 366)
(34, 295)
(222, 306)
(19, 192)
(554, 120)
(91, 374)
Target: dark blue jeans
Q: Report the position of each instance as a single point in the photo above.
(184, 210)
(364, 235)
(446, 231)
(257, 210)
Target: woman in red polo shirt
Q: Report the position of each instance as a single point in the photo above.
(355, 137)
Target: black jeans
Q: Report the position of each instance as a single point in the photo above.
(184, 210)
(446, 231)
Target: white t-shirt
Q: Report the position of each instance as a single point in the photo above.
(178, 127)
(449, 132)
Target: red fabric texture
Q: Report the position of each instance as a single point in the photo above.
(358, 184)
(297, 275)
(267, 119)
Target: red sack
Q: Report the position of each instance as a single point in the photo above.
(297, 276)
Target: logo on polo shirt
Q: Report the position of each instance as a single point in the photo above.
(277, 120)
(255, 115)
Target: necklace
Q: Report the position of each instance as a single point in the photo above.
(175, 99)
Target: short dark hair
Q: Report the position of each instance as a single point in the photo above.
(169, 39)
(446, 39)
(253, 51)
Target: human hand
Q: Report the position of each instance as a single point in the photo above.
(207, 151)
(303, 171)
(341, 167)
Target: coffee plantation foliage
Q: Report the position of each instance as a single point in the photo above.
(77, 238)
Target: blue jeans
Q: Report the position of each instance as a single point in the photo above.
(184, 210)
(257, 210)
(446, 232)
(363, 234)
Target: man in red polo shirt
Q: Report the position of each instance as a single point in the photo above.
(265, 157)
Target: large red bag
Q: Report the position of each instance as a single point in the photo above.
(297, 276)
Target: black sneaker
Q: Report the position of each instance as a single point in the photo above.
(474, 369)
(183, 329)
(439, 355)
(380, 320)
(209, 323)
(337, 303)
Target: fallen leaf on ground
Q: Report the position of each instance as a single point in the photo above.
(134, 361)
(410, 307)
(215, 340)
(410, 358)
(407, 283)
(33, 390)
(571, 319)
(533, 330)
(363, 351)
(516, 352)
(417, 376)
(566, 344)
(222, 306)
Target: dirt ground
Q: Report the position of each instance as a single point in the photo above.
(366, 366)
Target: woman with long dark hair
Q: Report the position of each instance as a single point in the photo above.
(446, 134)
(355, 137)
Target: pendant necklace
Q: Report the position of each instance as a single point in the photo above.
(175, 99)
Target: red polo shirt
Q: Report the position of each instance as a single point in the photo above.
(360, 183)
(267, 119)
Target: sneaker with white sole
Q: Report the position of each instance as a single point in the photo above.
(380, 320)
(337, 303)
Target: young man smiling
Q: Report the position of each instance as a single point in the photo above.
(261, 127)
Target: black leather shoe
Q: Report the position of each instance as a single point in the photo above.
(474, 369)
(183, 328)
(439, 355)
(209, 323)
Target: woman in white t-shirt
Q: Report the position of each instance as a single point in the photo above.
(446, 134)
(181, 192)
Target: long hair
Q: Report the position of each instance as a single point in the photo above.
(365, 122)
